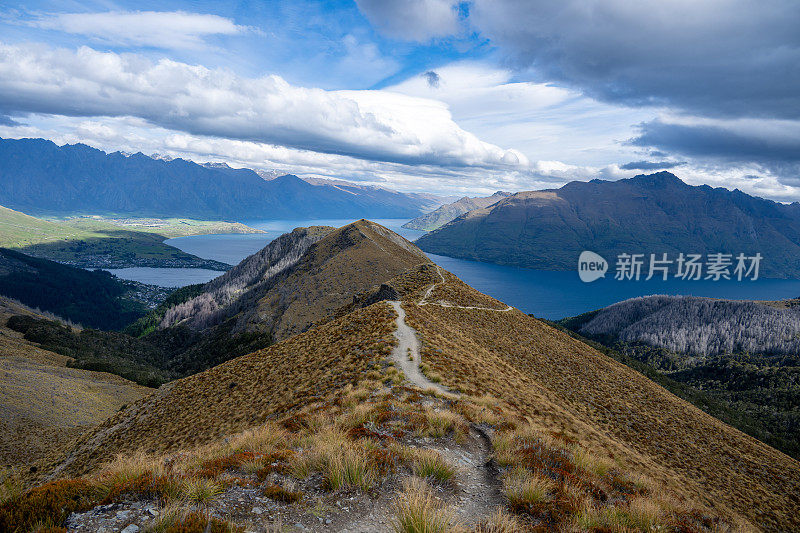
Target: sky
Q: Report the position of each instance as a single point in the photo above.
(420, 95)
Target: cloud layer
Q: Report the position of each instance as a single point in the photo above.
(162, 29)
(718, 58)
(371, 125)
(414, 20)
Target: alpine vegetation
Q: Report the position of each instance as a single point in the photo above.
(699, 326)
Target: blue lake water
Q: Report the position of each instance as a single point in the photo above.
(166, 277)
(544, 294)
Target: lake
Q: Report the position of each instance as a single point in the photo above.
(166, 277)
(545, 294)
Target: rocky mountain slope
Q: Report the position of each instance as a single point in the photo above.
(39, 177)
(646, 214)
(744, 355)
(324, 418)
(446, 213)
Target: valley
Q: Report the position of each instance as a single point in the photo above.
(396, 383)
(379, 266)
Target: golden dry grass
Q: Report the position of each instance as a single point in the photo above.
(565, 387)
(514, 372)
(44, 405)
(418, 511)
(242, 393)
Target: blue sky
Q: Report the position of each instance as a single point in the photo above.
(420, 95)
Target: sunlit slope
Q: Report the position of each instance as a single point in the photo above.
(43, 403)
(564, 385)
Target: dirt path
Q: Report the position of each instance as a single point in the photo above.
(424, 300)
(406, 354)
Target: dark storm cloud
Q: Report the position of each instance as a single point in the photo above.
(6, 120)
(723, 142)
(727, 58)
(651, 165)
(432, 78)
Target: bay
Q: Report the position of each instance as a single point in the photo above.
(545, 294)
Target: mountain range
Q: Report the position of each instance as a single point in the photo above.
(446, 213)
(656, 213)
(39, 177)
(403, 384)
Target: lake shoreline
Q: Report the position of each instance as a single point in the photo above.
(552, 295)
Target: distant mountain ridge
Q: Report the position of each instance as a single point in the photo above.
(742, 354)
(446, 213)
(656, 213)
(39, 177)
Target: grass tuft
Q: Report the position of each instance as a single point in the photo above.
(201, 490)
(418, 511)
(527, 491)
(430, 464)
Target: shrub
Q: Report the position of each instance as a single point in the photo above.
(178, 520)
(49, 504)
(280, 494)
(147, 485)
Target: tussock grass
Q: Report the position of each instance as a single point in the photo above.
(590, 463)
(641, 516)
(430, 464)
(126, 468)
(527, 490)
(439, 423)
(263, 439)
(201, 490)
(10, 484)
(348, 468)
(565, 486)
(418, 511)
(500, 522)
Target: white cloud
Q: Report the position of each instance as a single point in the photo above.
(160, 29)
(541, 120)
(373, 125)
(134, 135)
(412, 20)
